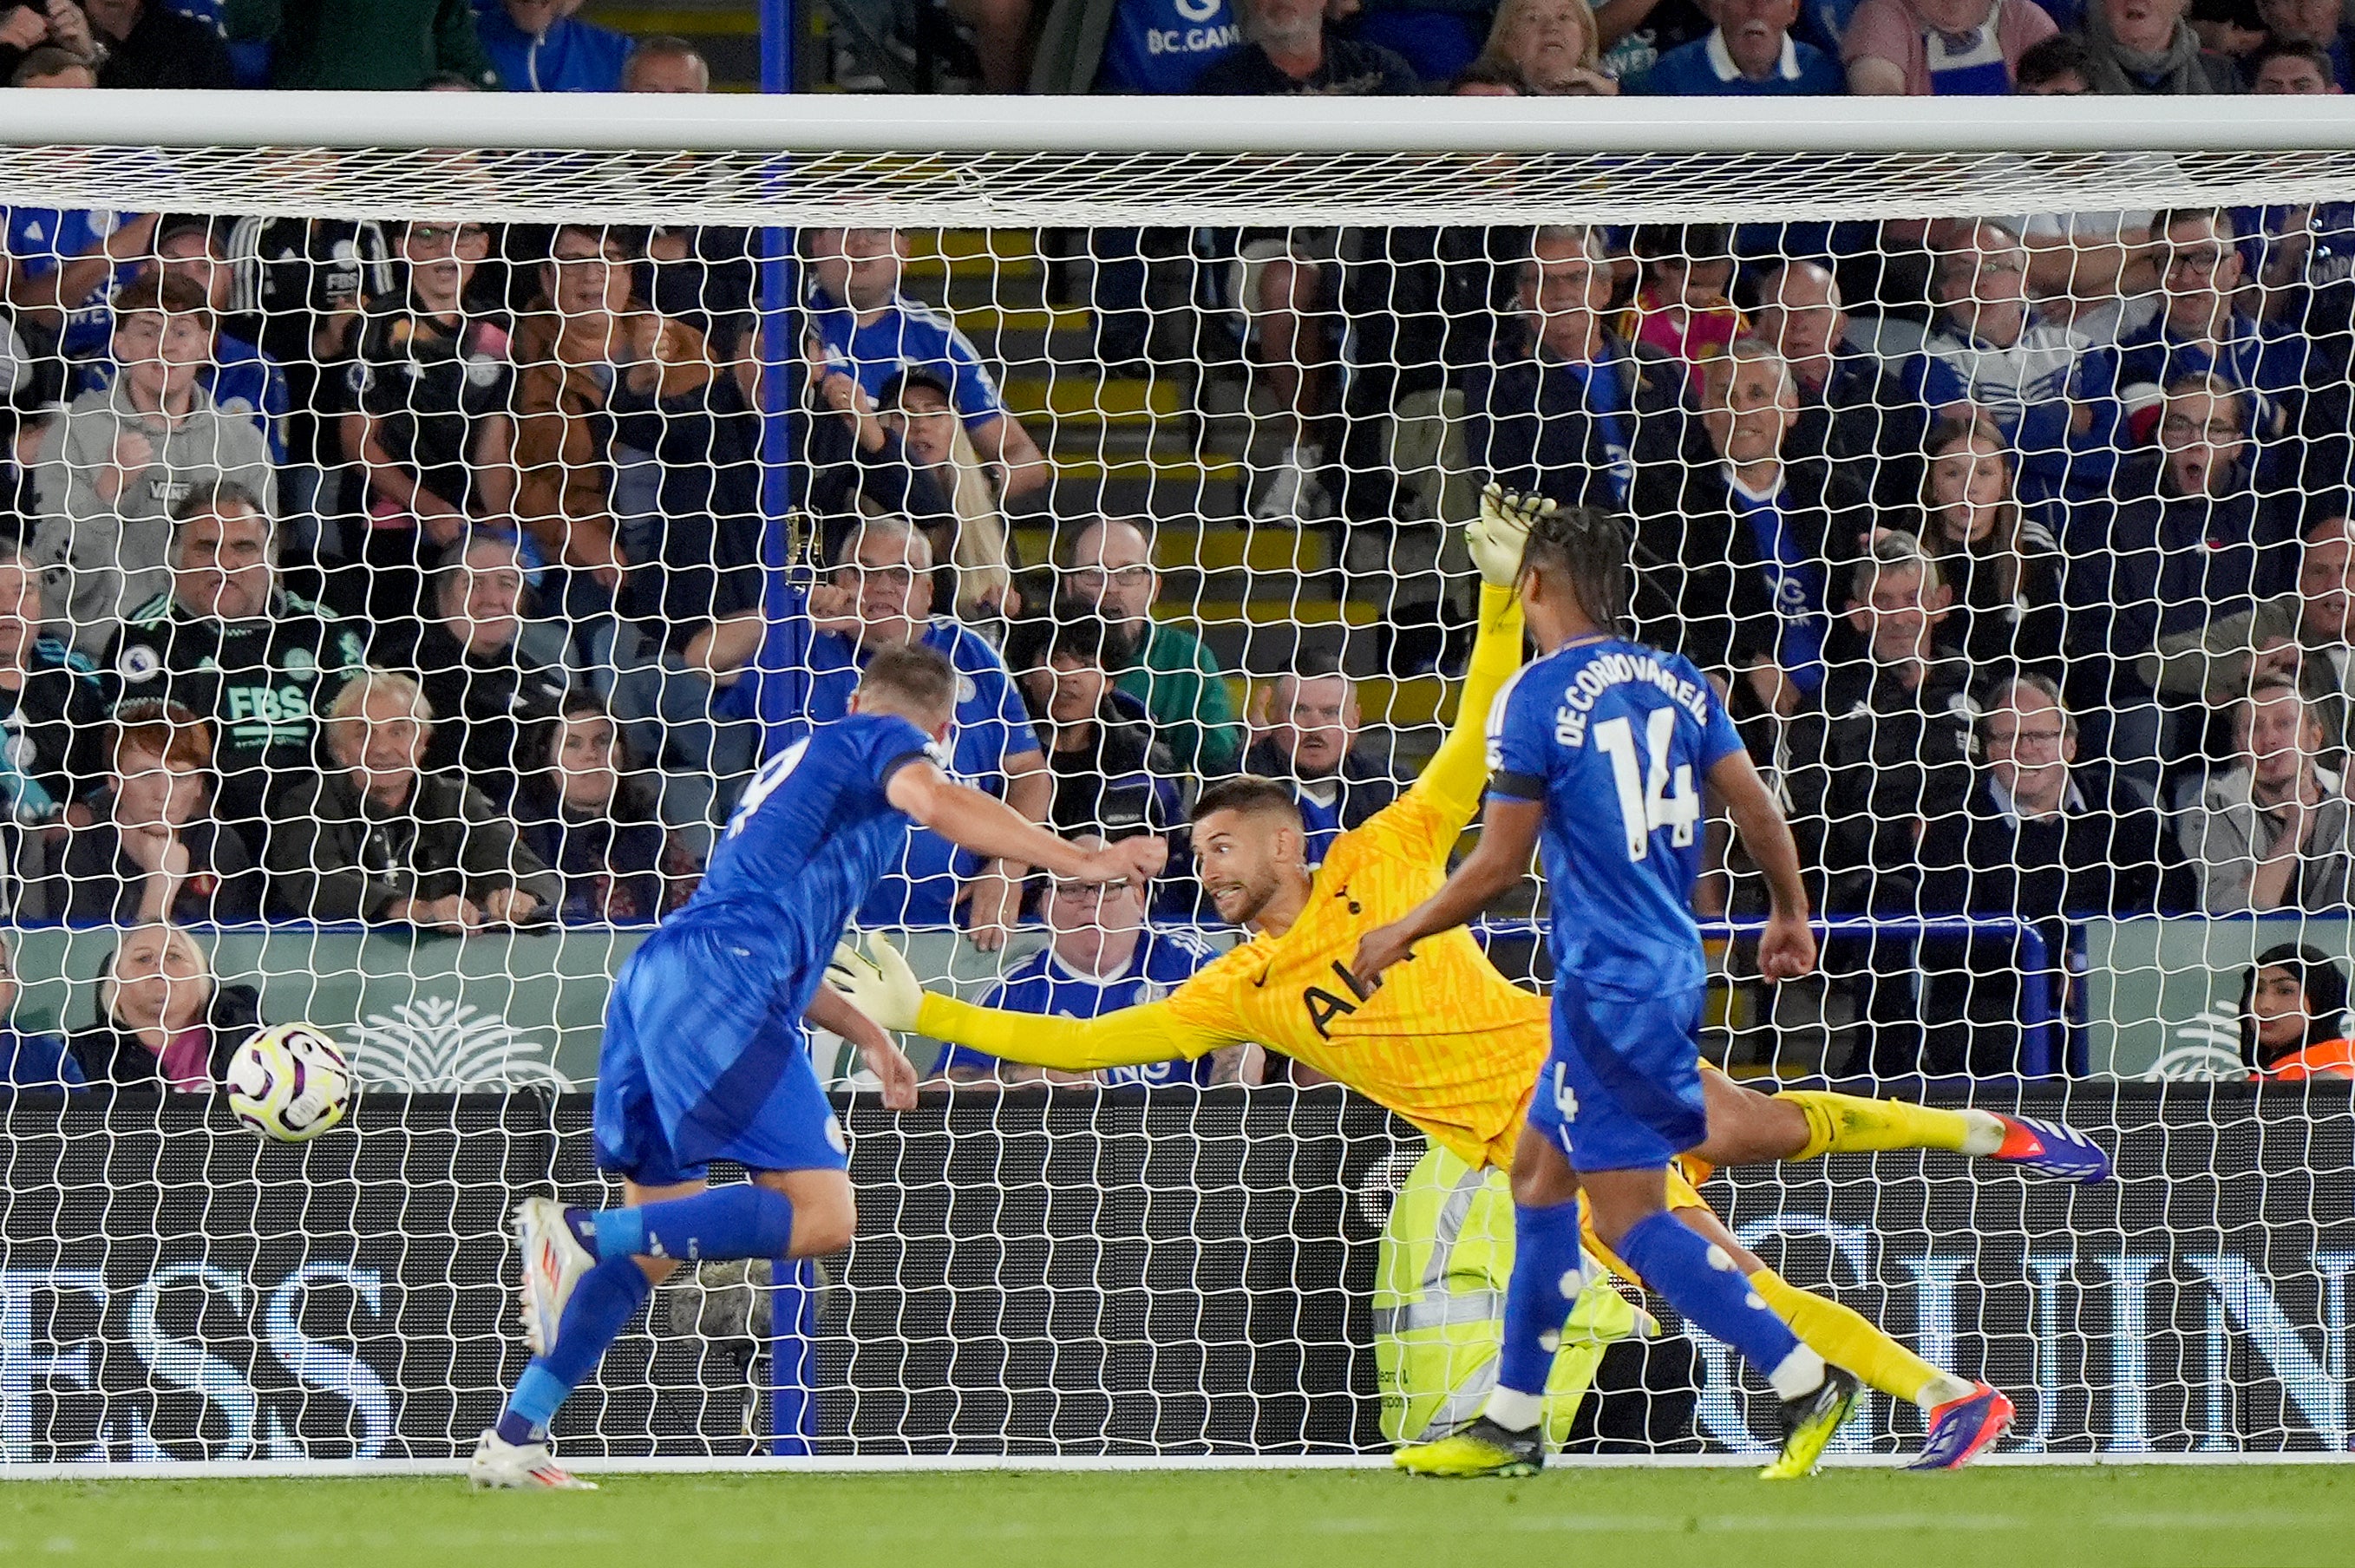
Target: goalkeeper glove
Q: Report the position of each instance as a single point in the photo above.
(1501, 530)
(883, 986)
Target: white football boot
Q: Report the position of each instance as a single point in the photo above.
(553, 1261)
(520, 1466)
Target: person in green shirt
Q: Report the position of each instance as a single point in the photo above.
(380, 45)
(1177, 678)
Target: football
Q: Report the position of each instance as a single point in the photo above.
(289, 1082)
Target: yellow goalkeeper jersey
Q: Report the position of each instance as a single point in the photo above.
(1445, 1041)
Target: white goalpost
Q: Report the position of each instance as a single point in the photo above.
(541, 404)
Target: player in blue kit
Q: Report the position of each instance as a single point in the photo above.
(1599, 751)
(703, 1053)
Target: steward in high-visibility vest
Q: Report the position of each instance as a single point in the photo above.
(1439, 1304)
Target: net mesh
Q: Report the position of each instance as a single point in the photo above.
(422, 554)
(1051, 188)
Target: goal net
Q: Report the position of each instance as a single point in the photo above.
(430, 515)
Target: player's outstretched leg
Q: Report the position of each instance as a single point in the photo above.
(1963, 1417)
(1748, 1128)
(1702, 1280)
(587, 1272)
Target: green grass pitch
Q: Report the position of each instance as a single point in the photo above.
(2112, 1517)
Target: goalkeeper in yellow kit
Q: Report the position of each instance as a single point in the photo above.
(1448, 1043)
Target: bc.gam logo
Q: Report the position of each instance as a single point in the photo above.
(438, 1045)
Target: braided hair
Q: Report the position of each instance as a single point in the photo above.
(1588, 548)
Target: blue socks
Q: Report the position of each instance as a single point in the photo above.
(602, 1307)
(1703, 1283)
(745, 1222)
(742, 1222)
(1548, 1273)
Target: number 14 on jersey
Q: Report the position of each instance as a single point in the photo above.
(1651, 795)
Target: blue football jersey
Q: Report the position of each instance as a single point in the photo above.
(44, 238)
(813, 831)
(802, 678)
(1043, 984)
(1617, 740)
(907, 336)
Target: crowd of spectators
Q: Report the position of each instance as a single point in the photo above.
(428, 574)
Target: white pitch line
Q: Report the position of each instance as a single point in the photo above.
(329, 1469)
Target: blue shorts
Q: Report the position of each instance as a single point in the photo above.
(1621, 1088)
(705, 1059)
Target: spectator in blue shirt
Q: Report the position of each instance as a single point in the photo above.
(64, 266)
(1305, 735)
(794, 663)
(2201, 330)
(2050, 392)
(1164, 46)
(542, 46)
(1751, 52)
(872, 331)
(1102, 958)
(41, 1061)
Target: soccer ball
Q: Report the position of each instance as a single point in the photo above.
(290, 1082)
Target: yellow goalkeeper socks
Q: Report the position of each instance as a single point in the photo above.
(1846, 1340)
(1848, 1123)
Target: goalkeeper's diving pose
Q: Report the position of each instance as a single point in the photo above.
(704, 1056)
(1446, 1042)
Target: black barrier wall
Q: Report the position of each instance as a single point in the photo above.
(1090, 1273)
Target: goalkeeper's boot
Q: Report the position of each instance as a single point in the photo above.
(553, 1261)
(1961, 1428)
(1808, 1423)
(520, 1466)
(2051, 1149)
(1478, 1447)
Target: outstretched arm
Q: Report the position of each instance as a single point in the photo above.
(1509, 834)
(1459, 769)
(995, 831)
(1786, 948)
(881, 986)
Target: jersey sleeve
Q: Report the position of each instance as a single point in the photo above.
(1520, 741)
(1008, 721)
(889, 745)
(1451, 783)
(1129, 1036)
(971, 384)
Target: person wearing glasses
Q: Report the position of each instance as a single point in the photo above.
(1165, 666)
(2287, 376)
(430, 422)
(2043, 836)
(2047, 390)
(792, 665)
(1102, 956)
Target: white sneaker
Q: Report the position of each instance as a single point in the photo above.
(1294, 492)
(520, 1466)
(553, 1261)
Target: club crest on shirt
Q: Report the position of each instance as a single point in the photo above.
(137, 662)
